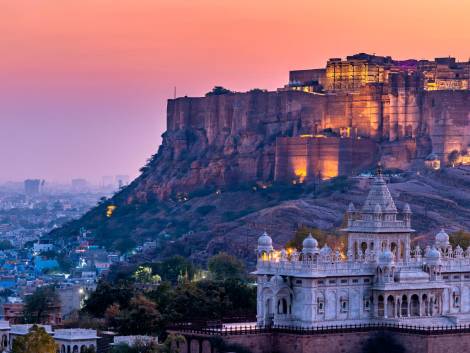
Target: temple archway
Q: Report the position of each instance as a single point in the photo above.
(414, 305)
(390, 306)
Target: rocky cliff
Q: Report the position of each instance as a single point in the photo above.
(231, 138)
(210, 186)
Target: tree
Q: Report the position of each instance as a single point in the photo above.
(90, 349)
(40, 304)
(174, 269)
(171, 344)
(36, 341)
(217, 91)
(5, 245)
(144, 274)
(224, 266)
(106, 295)
(140, 317)
(461, 238)
(453, 157)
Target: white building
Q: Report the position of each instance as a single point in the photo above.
(379, 279)
(75, 340)
(134, 340)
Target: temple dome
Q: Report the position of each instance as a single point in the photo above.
(310, 242)
(326, 250)
(433, 253)
(265, 243)
(433, 256)
(406, 208)
(265, 240)
(442, 238)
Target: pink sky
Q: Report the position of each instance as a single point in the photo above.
(83, 84)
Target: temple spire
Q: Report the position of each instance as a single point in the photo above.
(379, 194)
(379, 170)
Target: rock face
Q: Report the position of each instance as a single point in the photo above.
(231, 138)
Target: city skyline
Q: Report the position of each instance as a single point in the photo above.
(84, 96)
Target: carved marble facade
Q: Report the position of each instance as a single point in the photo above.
(381, 278)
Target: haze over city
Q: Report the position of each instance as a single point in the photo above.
(85, 83)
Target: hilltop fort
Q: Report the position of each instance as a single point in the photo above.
(337, 120)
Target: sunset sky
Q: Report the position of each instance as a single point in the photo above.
(83, 84)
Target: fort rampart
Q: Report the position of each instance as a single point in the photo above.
(327, 340)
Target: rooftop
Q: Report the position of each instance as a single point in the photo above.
(74, 334)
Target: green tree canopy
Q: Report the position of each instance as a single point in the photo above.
(174, 269)
(144, 274)
(169, 346)
(461, 238)
(224, 266)
(107, 294)
(453, 157)
(40, 304)
(217, 91)
(36, 341)
(5, 245)
(140, 317)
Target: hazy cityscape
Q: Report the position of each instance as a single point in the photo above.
(241, 176)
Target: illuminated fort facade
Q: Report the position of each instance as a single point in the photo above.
(336, 120)
(414, 109)
(379, 279)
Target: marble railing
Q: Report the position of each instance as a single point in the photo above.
(344, 266)
(398, 224)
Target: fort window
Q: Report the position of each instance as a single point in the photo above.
(404, 306)
(299, 281)
(366, 303)
(414, 305)
(456, 277)
(282, 306)
(390, 306)
(355, 281)
(380, 306)
(344, 281)
(367, 280)
(344, 305)
(445, 277)
(332, 281)
(320, 305)
(456, 299)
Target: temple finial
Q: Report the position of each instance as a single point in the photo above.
(379, 170)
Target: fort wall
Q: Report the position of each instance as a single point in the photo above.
(349, 342)
(230, 138)
(305, 158)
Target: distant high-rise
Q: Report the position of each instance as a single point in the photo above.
(108, 181)
(122, 180)
(33, 186)
(79, 185)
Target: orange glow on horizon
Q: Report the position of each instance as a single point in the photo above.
(94, 69)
